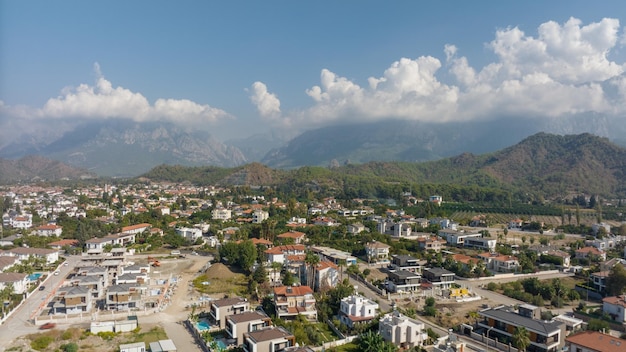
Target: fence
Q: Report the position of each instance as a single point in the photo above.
(493, 343)
(335, 343)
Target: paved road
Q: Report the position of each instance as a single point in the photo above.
(21, 321)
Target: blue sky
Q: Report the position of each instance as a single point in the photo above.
(242, 67)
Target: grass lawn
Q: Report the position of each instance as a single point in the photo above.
(349, 347)
(155, 334)
(326, 332)
(237, 283)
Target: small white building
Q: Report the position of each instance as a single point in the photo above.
(357, 309)
(221, 214)
(258, 216)
(50, 230)
(133, 347)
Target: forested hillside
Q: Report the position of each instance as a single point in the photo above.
(541, 166)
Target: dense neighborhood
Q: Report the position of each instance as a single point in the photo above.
(320, 274)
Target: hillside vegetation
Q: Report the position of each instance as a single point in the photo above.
(542, 165)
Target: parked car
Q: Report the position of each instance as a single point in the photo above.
(66, 263)
(56, 272)
(47, 326)
(41, 288)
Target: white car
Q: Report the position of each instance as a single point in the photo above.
(56, 272)
(66, 263)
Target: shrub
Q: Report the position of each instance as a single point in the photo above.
(70, 347)
(41, 343)
(492, 286)
(106, 335)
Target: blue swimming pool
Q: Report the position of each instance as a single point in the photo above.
(202, 325)
(221, 344)
(34, 277)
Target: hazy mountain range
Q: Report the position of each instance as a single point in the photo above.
(120, 148)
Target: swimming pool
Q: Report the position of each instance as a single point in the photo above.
(34, 277)
(202, 325)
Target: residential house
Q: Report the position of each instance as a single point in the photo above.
(466, 261)
(591, 253)
(279, 254)
(356, 309)
(439, 278)
(356, 228)
(437, 200)
(324, 221)
(615, 307)
(190, 234)
(407, 263)
(516, 224)
(22, 222)
(402, 331)
(72, 300)
(607, 242)
(430, 243)
(403, 281)
(334, 255)
(50, 230)
(295, 236)
(594, 341)
(58, 245)
(501, 322)
(136, 229)
(326, 275)
(499, 262)
(98, 243)
(291, 301)
(564, 256)
(124, 296)
(377, 252)
(8, 241)
(457, 237)
(19, 282)
(221, 214)
(271, 339)
(238, 324)
(484, 243)
(23, 253)
(258, 216)
(221, 308)
(7, 262)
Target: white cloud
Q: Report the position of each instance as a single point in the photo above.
(267, 103)
(104, 101)
(559, 72)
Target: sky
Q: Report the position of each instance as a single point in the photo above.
(236, 68)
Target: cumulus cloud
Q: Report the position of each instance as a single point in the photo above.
(562, 70)
(267, 103)
(105, 101)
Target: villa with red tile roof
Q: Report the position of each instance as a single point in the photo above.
(296, 236)
(50, 230)
(279, 253)
(135, 229)
(591, 252)
(594, 341)
(291, 301)
(499, 262)
(61, 243)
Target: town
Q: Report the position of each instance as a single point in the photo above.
(177, 267)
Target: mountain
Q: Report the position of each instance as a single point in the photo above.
(35, 168)
(546, 164)
(420, 141)
(122, 148)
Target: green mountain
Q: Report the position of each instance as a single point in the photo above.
(545, 164)
(36, 168)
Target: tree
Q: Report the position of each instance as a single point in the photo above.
(598, 325)
(616, 281)
(311, 259)
(373, 342)
(520, 338)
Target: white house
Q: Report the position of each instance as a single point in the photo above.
(377, 251)
(23, 253)
(191, 234)
(356, 309)
(401, 330)
(19, 282)
(22, 221)
(258, 216)
(50, 230)
(615, 307)
(221, 214)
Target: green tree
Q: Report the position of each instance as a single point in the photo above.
(520, 338)
(616, 281)
(598, 325)
(374, 342)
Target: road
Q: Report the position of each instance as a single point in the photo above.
(21, 321)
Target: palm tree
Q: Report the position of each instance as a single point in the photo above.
(311, 261)
(276, 267)
(520, 338)
(342, 264)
